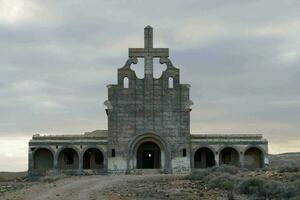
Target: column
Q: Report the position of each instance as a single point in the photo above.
(217, 159)
(242, 156)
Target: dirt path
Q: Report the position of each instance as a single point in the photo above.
(72, 188)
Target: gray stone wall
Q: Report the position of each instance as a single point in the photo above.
(240, 143)
(55, 147)
(148, 106)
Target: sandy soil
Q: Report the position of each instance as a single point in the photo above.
(71, 188)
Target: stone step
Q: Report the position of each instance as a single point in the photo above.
(148, 171)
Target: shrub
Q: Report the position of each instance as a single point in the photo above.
(291, 167)
(199, 174)
(291, 190)
(226, 169)
(295, 198)
(273, 189)
(268, 189)
(222, 181)
(230, 195)
(251, 186)
(297, 183)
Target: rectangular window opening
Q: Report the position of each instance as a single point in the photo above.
(113, 153)
(184, 152)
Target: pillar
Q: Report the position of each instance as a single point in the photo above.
(55, 160)
(241, 161)
(30, 160)
(80, 160)
(217, 159)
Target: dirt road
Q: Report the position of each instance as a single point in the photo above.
(72, 188)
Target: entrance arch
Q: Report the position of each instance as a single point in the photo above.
(43, 159)
(229, 156)
(148, 156)
(204, 158)
(253, 158)
(68, 159)
(93, 159)
(152, 142)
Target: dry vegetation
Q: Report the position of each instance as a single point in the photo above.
(281, 180)
(225, 182)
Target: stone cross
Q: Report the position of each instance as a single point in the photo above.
(148, 52)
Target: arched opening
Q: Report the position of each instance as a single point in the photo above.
(253, 158)
(43, 159)
(68, 159)
(148, 156)
(204, 158)
(171, 82)
(229, 156)
(93, 159)
(126, 82)
(158, 68)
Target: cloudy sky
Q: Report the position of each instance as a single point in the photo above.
(242, 59)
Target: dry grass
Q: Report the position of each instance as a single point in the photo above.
(12, 176)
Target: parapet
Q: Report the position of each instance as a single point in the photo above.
(97, 134)
(238, 138)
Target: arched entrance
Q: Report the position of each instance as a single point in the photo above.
(93, 159)
(203, 158)
(68, 159)
(153, 142)
(43, 159)
(253, 158)
(229, 156)
(148, 156)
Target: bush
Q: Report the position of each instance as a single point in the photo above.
(296, 183)
(199, 174)
(226, 169)
(295, 198)
(291, 190)
(267, 189)
(222, 181)
(288, 168)
(251, 186)
(202, 173)
(230, 196)
(273, 189)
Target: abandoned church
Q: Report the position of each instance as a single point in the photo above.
(148, 129)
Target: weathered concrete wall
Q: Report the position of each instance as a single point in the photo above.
(56, 145)
(117, 165)
(181, 165)
(149, 106)
(239, 142)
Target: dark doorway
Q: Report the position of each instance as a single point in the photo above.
(43, 159)
(93, 159)
(148, 156)
(229, 156)
(204, 158)
(68, 159)
(253, 158)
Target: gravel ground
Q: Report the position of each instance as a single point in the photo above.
(162, 187)
(109, 187)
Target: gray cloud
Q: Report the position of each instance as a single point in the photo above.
(242, 60)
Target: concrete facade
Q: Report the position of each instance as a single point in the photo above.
(148, 128)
